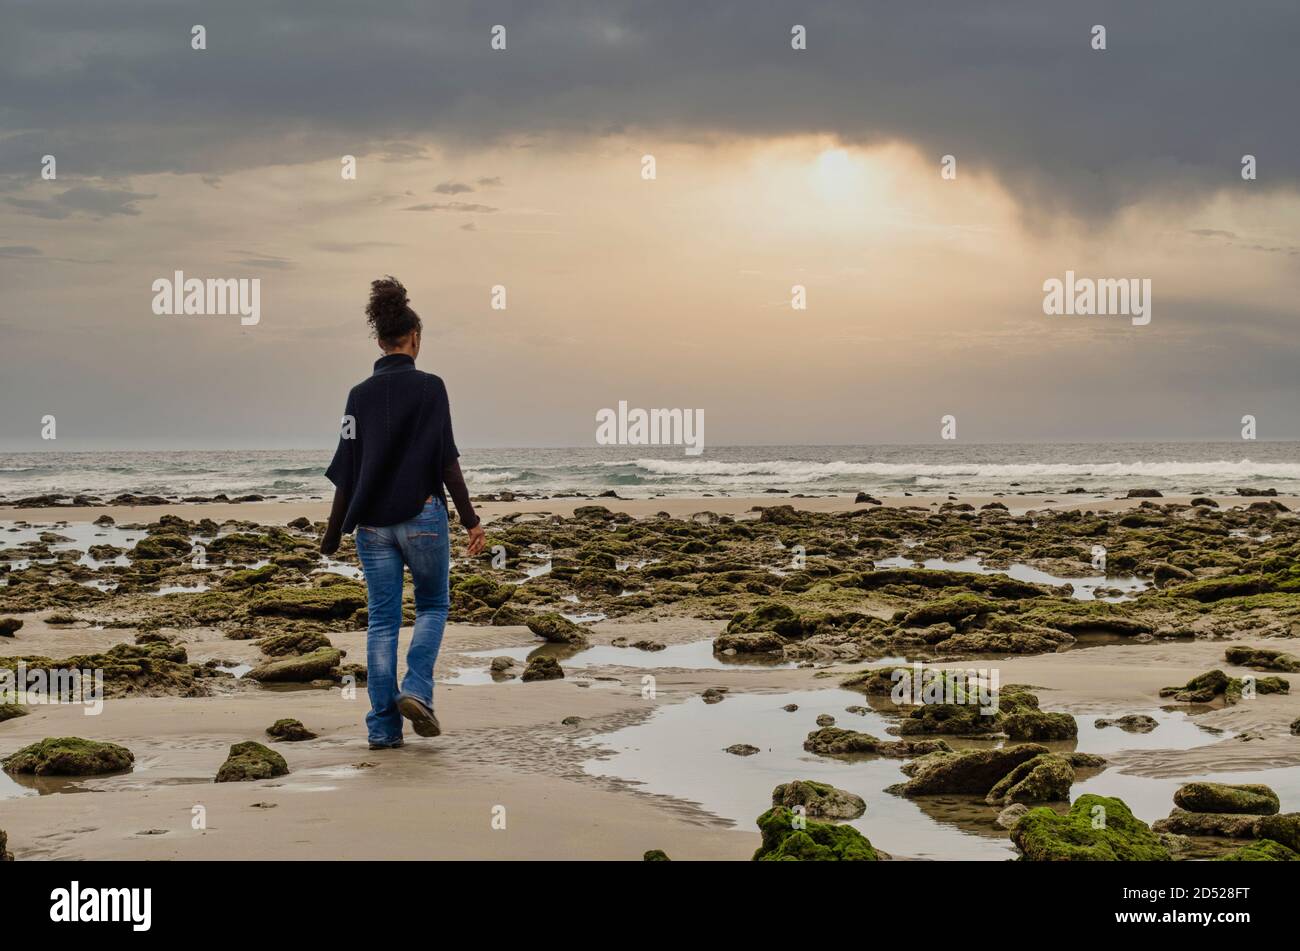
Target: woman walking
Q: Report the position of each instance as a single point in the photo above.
(394, 467)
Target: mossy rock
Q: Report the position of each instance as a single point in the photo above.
(5, 854)
(973, 773)
(556, 629)
(508, 616)
(154, 669)
(250, 761)
(1263, 658)
(1200, 689)
(542, 668)
(318, 665)
(160, 547)
(815, 842)
(290, 731)
(656, 855)
(9, 626)
(1251, 799)
(954, 610)
(1225, 825)
(1045, 778)
(9, 711)
(247, 578)
(820, 800)
(1039, 726)
(1096, 829)
(1265, 850)
(1284, 828)
(332, 602)
(69, 756)
(484, 590)
(281, 645)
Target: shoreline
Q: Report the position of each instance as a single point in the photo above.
(675, 506)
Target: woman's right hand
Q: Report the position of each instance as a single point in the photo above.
(477, 539)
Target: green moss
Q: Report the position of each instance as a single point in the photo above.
(556, 628)
(9, 711)
(1045, 778)
(816, 842)
(1265, 850)
(318, 665)
(542, 667)
(334, 602)
(1255, 799)
(239, 580)
(1096, 829)
(954, 610)
(1284, 828)
(656, 855)
(820, 800)
(249, 761)
(69, 756)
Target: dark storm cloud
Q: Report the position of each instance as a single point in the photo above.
(1185, 88)
(452, 206)
(82, 200)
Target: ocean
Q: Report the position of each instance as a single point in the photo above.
(1173, 468)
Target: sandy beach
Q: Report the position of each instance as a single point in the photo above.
(638, 769)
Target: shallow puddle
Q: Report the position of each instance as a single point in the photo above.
(1084, 587)
(680, 751)
(697, 655)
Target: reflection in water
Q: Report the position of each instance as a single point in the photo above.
(1084, 588)
(679, 752)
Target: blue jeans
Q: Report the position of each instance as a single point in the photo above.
(422, 544)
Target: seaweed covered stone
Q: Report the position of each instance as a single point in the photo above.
(1284, 828)
(542, 667)
(290, 731)
(9, 626)
(656, 855)
(1252, 799)
(69, 756)
(1265, 850)
(329, 602)
(9, 711)
(973, 773)
(250, 761)
(320, 664)
(556, 629)
(1096, 829)
(819, 800)
(1045, 778)
(786, 839)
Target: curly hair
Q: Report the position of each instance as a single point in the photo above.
(388, 312)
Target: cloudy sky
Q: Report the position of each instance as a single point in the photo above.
(774, 167)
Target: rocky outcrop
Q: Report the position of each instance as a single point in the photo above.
(69, 756)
